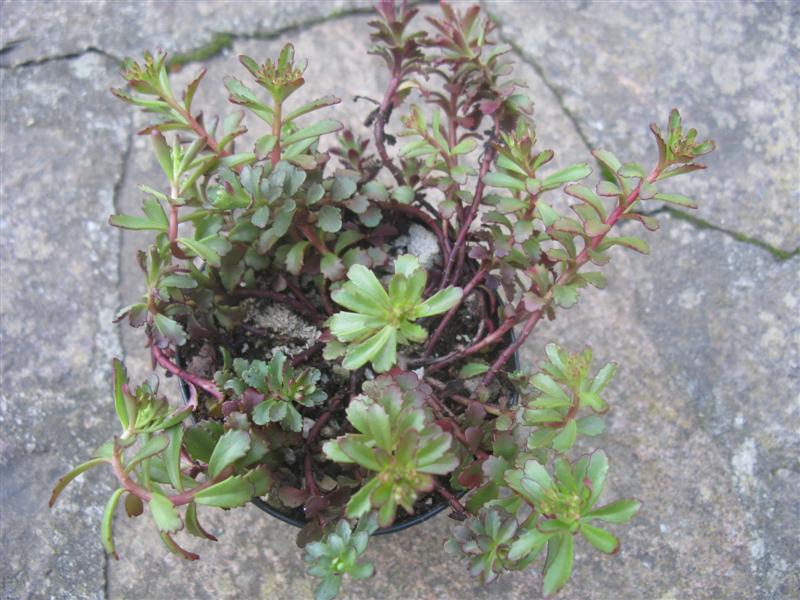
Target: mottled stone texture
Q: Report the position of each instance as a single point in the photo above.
(704, 423)
(732, 68)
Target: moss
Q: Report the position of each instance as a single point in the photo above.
(219, 43)
(699, 223)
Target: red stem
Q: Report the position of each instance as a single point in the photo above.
(457, 254)
(203, 384)
(477, 278)
(380, 123)
(451, 499)
(567, 275)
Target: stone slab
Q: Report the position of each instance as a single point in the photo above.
(732, 68)
(62, 154)
(704, 423)
(33, 31)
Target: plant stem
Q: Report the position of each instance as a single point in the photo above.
(204, 384)
(476, 279)
(451, 499)
(489, 408)
(275, 156)
(380, 123)
(453, 427)
(306, 354)
(457, 254)
(567, 276)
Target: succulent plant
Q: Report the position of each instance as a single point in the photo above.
(398, 440)
(339, 555)
(313, 432)
(383, 318)
(273, 389)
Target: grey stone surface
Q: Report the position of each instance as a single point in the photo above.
(704, 423)
(63, 150)
(33, 31)
(732, 68)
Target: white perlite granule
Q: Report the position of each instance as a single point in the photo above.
(424, 245)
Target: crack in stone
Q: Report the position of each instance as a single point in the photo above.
(701, 224)
(223, 40)
(35, 62)
(696, 222)
(220, 41)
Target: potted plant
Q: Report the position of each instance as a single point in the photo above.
(342, 322)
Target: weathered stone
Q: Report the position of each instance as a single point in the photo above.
(63, 150)
(731, 68)
(704, 419)
(36, 31)
(704, 416)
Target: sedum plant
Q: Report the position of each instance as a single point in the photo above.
(340, 309)
(382, 319)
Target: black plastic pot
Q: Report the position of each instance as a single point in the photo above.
(400, 524)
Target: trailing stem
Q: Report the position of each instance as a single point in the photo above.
(204, 384)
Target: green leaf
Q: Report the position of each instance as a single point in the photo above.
(565, 295)
(331, 266)
(164, 514)
(633, 243)
(163, 153)
(66, 479)
(547, 384)
(566, 438)
(472, 369)
(608, 159)
(619, 511)
(596, 471)
(230, 448)
(149, 449)
(294, 258)
(230, 493)
(464, 147)
(322, 102)
(193, 526)
(358, 355)
(403, 194)
(571, 173)
(375, 190)
(588, 196)
(328, 588)
(170, 329)
(559, 570)
(313, 131)
(120, 379)
(359, 503)
(676, 199)
(600, 538)
(203, 250)
(172, 458)
(330, 219)
(439, 303)
(106, 534)
(503, 180)
(632, 170)
(591, 425)
(342, 188)
(530, 542)
(603, 378)
(367, 283)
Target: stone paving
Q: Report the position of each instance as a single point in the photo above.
(705, 421)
